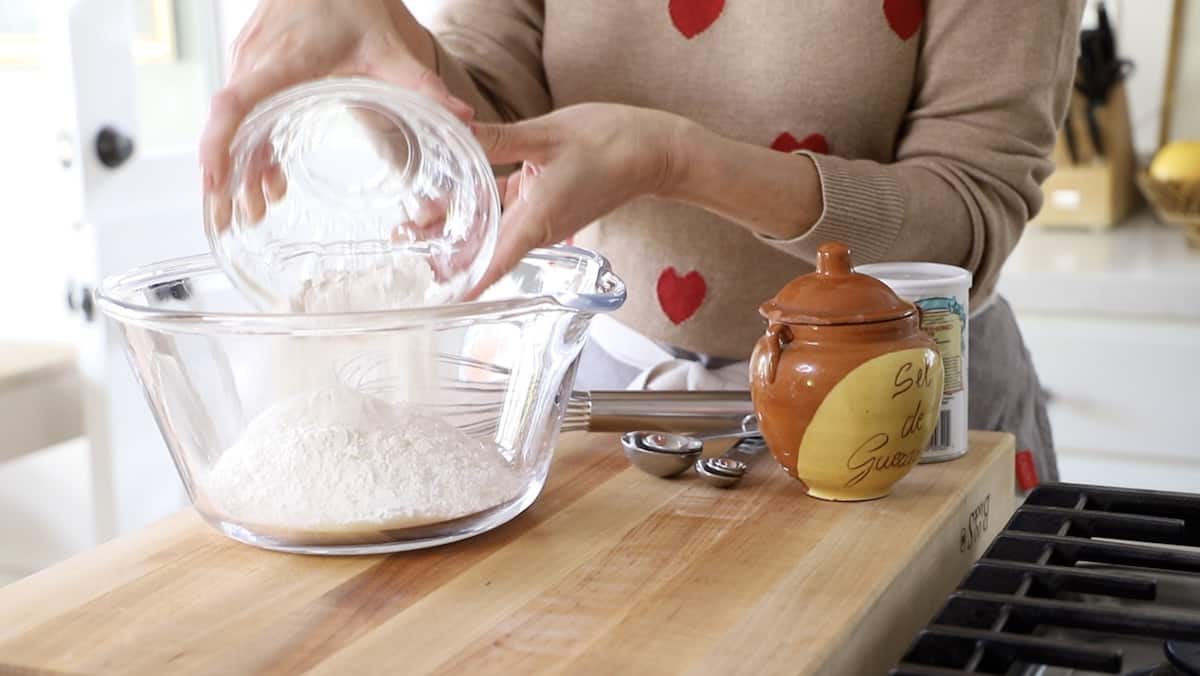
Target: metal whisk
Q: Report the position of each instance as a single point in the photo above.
(471, 393)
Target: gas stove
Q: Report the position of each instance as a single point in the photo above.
(1083, 580)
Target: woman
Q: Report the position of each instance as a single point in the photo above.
(707, 147)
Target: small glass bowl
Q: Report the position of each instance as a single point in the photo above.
(341, 176)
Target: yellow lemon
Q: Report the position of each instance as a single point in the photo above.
(1177, 161)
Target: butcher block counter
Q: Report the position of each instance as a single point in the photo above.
(610, 572)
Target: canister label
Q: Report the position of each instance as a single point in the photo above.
(946, 320)
(872, 426)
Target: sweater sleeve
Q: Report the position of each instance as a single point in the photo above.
(992, 86)
(489, 53)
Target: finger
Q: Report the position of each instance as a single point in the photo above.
(403, 233)
(252, 206)
(513, 143)
(432, 213)
(502, 188)
(274, 182)
(253, 201)
(402, 69)
(529, 173)
(523, 229)
(512, 189)
(221, 208)
(231, 105)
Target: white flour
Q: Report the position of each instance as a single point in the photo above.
(334, 459)
(326, 457)
(401, 281)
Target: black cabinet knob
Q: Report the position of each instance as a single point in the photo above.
(86, 304)
(113, 147)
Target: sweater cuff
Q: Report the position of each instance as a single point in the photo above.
(863, 209)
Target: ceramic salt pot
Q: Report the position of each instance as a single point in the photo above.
(846, 385)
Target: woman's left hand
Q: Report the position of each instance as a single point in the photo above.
(577, 164)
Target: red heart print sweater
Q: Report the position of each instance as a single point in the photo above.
(931, 123)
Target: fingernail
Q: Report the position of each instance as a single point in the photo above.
(526, 172)
(462, 108)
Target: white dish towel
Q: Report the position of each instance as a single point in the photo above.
(659, 369)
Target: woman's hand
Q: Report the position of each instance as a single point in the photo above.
(578, 164)
(581, 162)
(289, 41)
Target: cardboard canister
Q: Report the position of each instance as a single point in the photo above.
(942, 293)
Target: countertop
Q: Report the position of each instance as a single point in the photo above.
(610, 572)
(41, 397)
(25, 363)
(1140, 269)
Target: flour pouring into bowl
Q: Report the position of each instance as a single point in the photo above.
(331, 459)
(319, 382)
(327, 457)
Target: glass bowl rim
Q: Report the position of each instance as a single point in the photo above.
(109, 297)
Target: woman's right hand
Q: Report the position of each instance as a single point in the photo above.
(287, 42)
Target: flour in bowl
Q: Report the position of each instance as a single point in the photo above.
(334, 459)
(330, 457)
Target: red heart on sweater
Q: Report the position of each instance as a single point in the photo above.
(786, 143)
(680, 297)
(904, 16)
(693, 17)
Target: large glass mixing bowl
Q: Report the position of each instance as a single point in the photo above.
(500, 370)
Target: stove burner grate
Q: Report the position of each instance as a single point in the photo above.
(1075, 566)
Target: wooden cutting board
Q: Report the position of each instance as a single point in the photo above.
(610, 572)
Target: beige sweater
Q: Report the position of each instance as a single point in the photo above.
(930, 122)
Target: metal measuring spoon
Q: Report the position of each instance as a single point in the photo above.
(666, 454)
(725, 470)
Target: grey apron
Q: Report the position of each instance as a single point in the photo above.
(1005, 394)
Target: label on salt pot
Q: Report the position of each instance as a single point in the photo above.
(942, 292)
(863, 436)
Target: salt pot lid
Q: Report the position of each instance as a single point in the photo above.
(835, 294)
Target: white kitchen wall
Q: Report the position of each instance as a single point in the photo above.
(31, 272)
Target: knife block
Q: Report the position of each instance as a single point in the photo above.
(1095, 190)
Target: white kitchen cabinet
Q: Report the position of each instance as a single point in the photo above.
(1112, 320)
(1124, 403)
